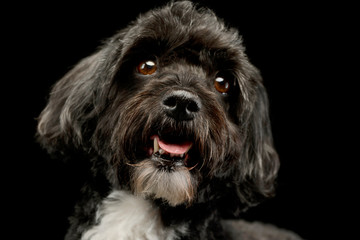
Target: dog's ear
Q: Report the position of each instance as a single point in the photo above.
(258, 164)
(76, 100)
(258, 152)
(79, 98)
(263, 162)
(61, 122)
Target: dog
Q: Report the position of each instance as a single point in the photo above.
(169, 122)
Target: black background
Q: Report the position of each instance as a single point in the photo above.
(302, 51)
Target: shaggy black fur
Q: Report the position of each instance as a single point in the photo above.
(106, 111)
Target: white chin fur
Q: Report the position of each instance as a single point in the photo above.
(176, 187)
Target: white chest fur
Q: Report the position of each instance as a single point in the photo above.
(124, 216)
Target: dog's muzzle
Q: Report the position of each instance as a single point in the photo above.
(174, 148)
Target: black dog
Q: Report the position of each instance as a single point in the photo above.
(172, 121)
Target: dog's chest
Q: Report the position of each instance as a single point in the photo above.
(123, 216)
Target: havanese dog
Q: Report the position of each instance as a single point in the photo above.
(169, 121)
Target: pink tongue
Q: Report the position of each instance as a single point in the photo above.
(179, 148)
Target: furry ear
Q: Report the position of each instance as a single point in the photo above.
(259, 161)
(62, 120)
(76, 101)
(254, 177)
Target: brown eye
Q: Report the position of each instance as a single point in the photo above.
(147, 67)
(222, 85)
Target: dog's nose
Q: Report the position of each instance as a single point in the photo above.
(181, 105)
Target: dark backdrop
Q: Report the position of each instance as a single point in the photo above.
(296, 46)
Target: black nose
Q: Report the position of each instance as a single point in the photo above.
(181, 105)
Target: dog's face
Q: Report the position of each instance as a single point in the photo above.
(179, 122)
(173, 107)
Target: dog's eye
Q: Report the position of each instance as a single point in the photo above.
(222, 85)
(147, 67)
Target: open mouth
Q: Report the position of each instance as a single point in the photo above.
(172, 151)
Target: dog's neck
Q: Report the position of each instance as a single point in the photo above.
(122, 215)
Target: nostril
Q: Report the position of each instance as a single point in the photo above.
(192, 106)
(170, 102)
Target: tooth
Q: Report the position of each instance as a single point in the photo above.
(161, 151)
(156, 145)
(182, 155)
(188, 149)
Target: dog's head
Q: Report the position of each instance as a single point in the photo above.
(173, 107)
